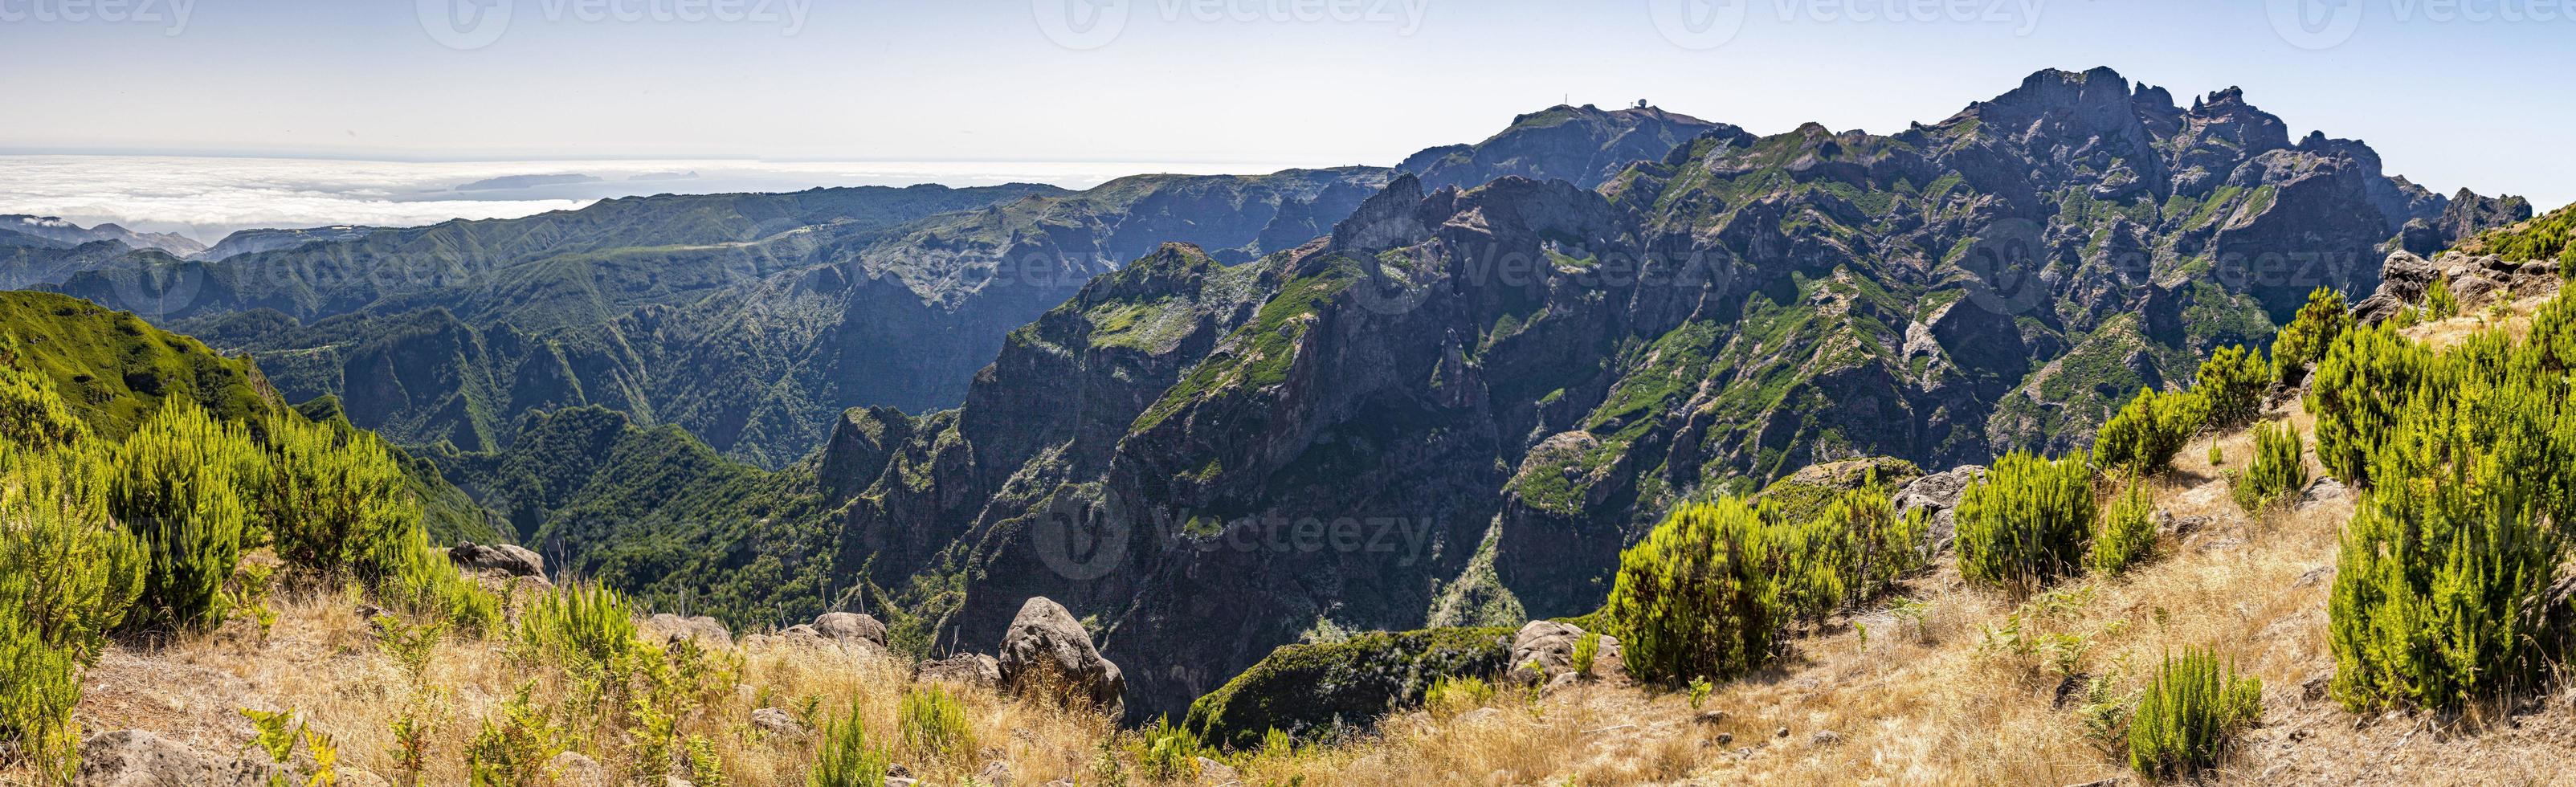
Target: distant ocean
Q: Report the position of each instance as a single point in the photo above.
(208, 198)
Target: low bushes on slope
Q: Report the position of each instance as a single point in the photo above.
(1697, 598)
(2231, 384)
(2190, 715)
(2027, 523)
(2146, 435)
(2449, 557)
(2324, 319)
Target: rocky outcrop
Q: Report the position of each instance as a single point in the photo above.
(965, 669)
(510, 559)
(850, 627)
(1302, 689)
(1048, 651)
(2474, 281)
(707, 631)
(1545, 649)
(136, 758)
(1936, 496)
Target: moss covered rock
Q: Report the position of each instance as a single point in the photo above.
(1300, 688)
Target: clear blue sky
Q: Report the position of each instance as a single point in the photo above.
(2450, 103)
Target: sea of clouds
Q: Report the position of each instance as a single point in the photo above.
(208, 198)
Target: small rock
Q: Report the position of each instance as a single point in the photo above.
(706, 630)
(1784, 732)
(1725, 738)
(777, 722)
(970, 669)
(1216, 773)
(851, 627)
(572, 769)
(1710, 717)
(515, 561)
(354, 777)
(996, 773)
(898, 771)
(135, 758)
(2315, 687)
(2314, 575)
(1825, 738)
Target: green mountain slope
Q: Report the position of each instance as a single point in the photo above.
(114, 370)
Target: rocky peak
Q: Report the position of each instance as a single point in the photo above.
(1388, 220)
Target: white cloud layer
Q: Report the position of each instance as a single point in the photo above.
(208, 198)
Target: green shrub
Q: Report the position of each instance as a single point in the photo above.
(1166, 753)
(1692, 600)
(934, 724)
(1587, 649)
(586, 631)
(2431, 603)
(426, 583)
(2146, 435)
(1849, 554)
(2128, 534)
(2027, 522)
(2189, 716)
(2231, 384)
(32, 413)
(515, 745)
(2439, 303)
(337, 502)
(2356, 394)
(2324, 319)
(2279, 468)
(179, 486)
(846, 758)
(1450, 696)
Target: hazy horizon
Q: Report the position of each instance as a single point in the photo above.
(1177, 85)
